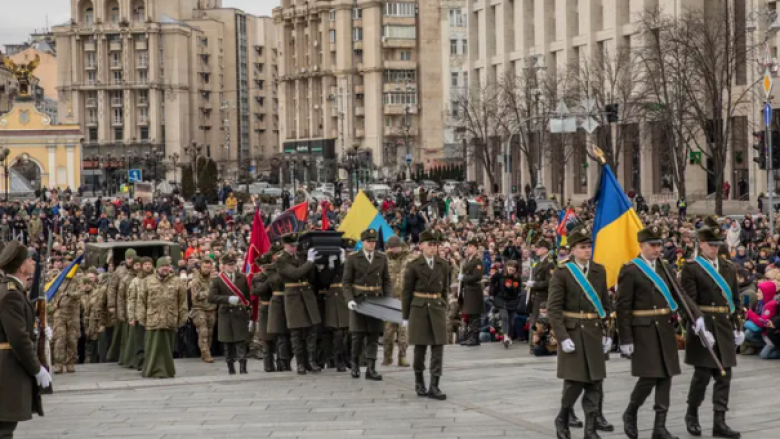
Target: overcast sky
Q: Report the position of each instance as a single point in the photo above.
(17, 23)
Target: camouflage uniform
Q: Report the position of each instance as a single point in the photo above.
(397, 265)
(66, 325)
(137, 333)
(117, 331)
(93, 324)
(203, 313)
(127, 351)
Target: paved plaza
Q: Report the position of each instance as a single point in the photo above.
(491, 393)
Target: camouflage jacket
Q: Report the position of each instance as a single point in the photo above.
(396, 264)
(121, 295)
(111, 293)
(67, 300)
(199, 291)
(93, 315)
(162, 303)
(132, 296)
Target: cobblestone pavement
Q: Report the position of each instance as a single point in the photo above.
(491, 393)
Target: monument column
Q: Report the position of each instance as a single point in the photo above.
(52, 166)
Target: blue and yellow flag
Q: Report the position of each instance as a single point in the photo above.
(362, 216)
(614, 228)
(68, 273)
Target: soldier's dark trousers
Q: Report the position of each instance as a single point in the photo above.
(437, 358)
(325, 351)
(104, 344)
(269, 347)
(235, 351)
(372, 344)
(302, 338)
(283, 347)
(590, 398)
(475, 324)
(339, 343)
(7, 429)
(643, 387)
(720, 391)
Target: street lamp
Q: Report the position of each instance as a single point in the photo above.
(192, 152)
(175, 159)
(4, 154)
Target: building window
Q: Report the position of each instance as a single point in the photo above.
(332, 15)
(91, 77)
(465, 44)
(144, 133)
(119, 134)
(388, 121)
(90, 59)
(139, 14)
(92, 115)
(115, 15)
(89, 16)
(117, 77)
(457, 18)
(332, 36)
(92, 135)
(143, 115)
(400, 99)
(454, 79)
(400, 76)
(143, 97)
(400, 9)
(405, 55)
(143, 60)
(357, 34)
(357, 14)
(453, 47)
(400, 32)
(116, 59)
(465, 79)
(117, 115)
(143, 76)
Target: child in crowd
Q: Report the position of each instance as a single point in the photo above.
(544, 340)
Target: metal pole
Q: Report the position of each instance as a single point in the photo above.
(508, 175)
(770, 180)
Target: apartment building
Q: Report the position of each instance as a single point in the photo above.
(455, 45)
(360, 74)
(147, 80)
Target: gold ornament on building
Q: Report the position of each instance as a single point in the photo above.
(23, 74)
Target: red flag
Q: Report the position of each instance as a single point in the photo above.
(325, 223)
(258, 246)
(291, 220)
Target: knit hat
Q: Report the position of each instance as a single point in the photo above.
(769, 289)
(163, 261)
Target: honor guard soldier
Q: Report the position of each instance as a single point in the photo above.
(336, 315)
(711, 283)
(470, 292)
(424, 310)
(538, 285)
(577, 307)
(277, 320)
(645, 307)
(230, 291)
(261, 289)
(21, 373)
(366, 275)
(300, 303)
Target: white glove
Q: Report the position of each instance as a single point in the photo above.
(699, 325)
(251, 327)
(460, 278)
(233, 300)
(627, 349)
(568, 346)
(343, 255)
(710, 338)
(312, 255)
(530, 283)
(352, 305)
(606, 343)
(43, 378)
(739, 338)
(49, 333)
(406, 323)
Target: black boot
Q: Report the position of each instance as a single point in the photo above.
(574, 421)
(268, 363)
(285, 366)
(433, 390)
(590, 426)
(692, 421)
(720, 429)
(371, 373)
(340, 365)
(602, 424)
(279, 365)
(419, 384)
(355, 368)
(629, 421)
(231, 368)
(562, 423)
(659, 428)
(242, 367)
(313, 366)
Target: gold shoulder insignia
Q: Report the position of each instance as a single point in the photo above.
(11, 286)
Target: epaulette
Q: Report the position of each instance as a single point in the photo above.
(563, 263)
(11, 286)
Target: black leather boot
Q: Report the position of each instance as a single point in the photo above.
(268, 363)
(659, 428)
(562, 423)
(371, 373)
(242, 367)
(629, 421)
(601, 422)
(574, 421)
(340, 365)
(419, 384)
(279, 365)
(720, 429)
(434, 392)
(231, 368)
(692, 421)
(590, 426)
(355, 368)
(313, 366)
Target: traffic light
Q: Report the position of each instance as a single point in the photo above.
(760, 147)
(612, 113)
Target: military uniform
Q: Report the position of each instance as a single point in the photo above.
(366, 275)
(260, 290)
(472, 297)
(127, 355)
(93, 319)
(117, 328)
(335, 315)
(424, 306)
(543, 270)
(575, 318)
(277, 320)
(714, 305)
(396, 333)
(233, 316)
(203, 313)
(66, 326)
(137, 338)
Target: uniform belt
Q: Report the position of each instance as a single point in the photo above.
(427, 295)
(337, 285)
(264, 303)
(580, 315)
(362, 288)
(5, 347)
(651, 312)
(278, 293)
(714, 309)
(296, 285)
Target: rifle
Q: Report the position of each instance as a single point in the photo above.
(678, 290)
(38, 295)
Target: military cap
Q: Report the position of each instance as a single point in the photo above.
(265, 259)
(13, 256)
(579, 235)
(428, 236)
(228, 259)
(130, 253)
(276, 247)
(711, 221)
(163, 261)
(146, 259)
(650, 235)
(711, 236)
(544, 243)
(290, 238)
(369, 235)
(349, 243)
(393, 242)
(92, 270)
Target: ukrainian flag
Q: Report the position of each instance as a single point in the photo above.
(614, 228)
(362, 216)
(68, 273)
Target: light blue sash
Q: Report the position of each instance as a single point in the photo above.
(660, 285)
(724, 287)
(590, 292)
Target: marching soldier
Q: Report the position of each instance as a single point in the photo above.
(711, 283)
(137, 331)
(261, 289)
(336, 315)
(277, 319)
(397, 258)
(203, 313)
(577, 307)
(543, 270)
(365, 276)
(115, 294)
(127, 357)
(645, 306)
(230, 291)
(300, 303)
(471, 292)
(424, 310)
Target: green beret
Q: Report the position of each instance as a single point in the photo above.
(146, 259)
(393, 242)
(163, 261)
(13, 256)
(369, 235)
(651, 235)
(290, 238)
(130, 253)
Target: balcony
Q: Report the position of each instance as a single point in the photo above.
(92, 122)
(89, 46)
(90, 66)
(142, 65)
(143, 102)
(115, 46)
(390, 87)
(91, 102)
(399, 109)
(116, 102)
(359, 133)
(399, 131)
(398, 43)
(360, 111)
(117, 122)
(143, 120)
(400, 65)
(116, 66)
(141, 45)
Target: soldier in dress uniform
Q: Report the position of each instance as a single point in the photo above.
(645, 307)
(203, 312)
(230, 291)
(336, 315)
(711, 283)
(543, 270)
(262, 289)
(365, 276)
(300, 303)
(424, 310)
(577, 307)
(277, 320)
(395, 333)
(471, 292)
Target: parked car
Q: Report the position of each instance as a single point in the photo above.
(450, 186)
(430, 185)
(329, 188)
(261, 188)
